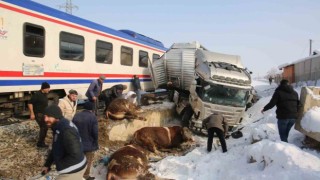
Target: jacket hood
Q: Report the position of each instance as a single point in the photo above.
(285, 88)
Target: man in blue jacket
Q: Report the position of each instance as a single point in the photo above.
(67, 151)
(94, 91)
(87, 124)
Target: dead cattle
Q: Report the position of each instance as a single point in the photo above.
(129, 162)
(148, 99)
(120, 109)
(162, 138)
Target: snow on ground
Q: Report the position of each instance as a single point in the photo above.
(267, 159)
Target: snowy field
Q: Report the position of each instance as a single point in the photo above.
(267, 159)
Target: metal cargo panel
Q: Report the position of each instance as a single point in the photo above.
(218, 57)
(180, 67)
(158, 73)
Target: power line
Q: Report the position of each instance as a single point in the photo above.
(68, 6)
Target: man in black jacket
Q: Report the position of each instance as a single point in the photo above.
(108, 95)
(67, 150)
(37, 105)
(287, 102)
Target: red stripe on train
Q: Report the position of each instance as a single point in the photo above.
(76, 75)
(73, 26)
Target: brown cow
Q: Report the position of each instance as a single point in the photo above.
(129, 162)
(161, 138)
(120, 109)
(148, 99)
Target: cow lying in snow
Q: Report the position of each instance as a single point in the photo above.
(148, 99)
(161, 138)
(120, 109)
(129, 162)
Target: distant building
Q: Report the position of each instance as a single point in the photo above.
(306, 69)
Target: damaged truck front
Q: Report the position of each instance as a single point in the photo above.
(203, 82)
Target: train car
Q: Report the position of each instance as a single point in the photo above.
(39, 43)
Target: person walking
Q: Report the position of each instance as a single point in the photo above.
(287, 101)
(137, 88)
(37, 105)
(270, 80)
(87, 124)
(108, 95)
(215, 123)
(68, 104)
(67, 151)
(94, 91)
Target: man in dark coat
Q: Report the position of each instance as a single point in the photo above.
(87, 124)
(137, 88)
(287, 102)
(37, 105)
(270, 80)
(215, 123)
(67, 151)
(108, 95)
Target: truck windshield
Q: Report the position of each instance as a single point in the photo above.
(223, 95)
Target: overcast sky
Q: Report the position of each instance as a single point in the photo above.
(265, 34)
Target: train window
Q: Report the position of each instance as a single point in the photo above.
(71, 47)
(33, 42)
(143, 59)
(126, 56)
(155, 57)
(104, 52)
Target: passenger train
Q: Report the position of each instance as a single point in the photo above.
(39, 43)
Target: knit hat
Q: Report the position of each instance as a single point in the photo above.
(45, 85)
(72, 91)
(102, 77)
(88, 105)
(53, 111)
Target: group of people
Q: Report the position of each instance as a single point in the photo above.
(95, 93)
(75, 134)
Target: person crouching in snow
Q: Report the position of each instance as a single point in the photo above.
(67, 150)
(215, 123)
(131, 97)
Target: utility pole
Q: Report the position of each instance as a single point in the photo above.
(68, 6)
(310, 51)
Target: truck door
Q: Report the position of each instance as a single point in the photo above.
(158, 73)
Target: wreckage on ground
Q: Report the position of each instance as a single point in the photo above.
(203, 82)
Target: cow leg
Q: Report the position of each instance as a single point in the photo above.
(166, 150)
